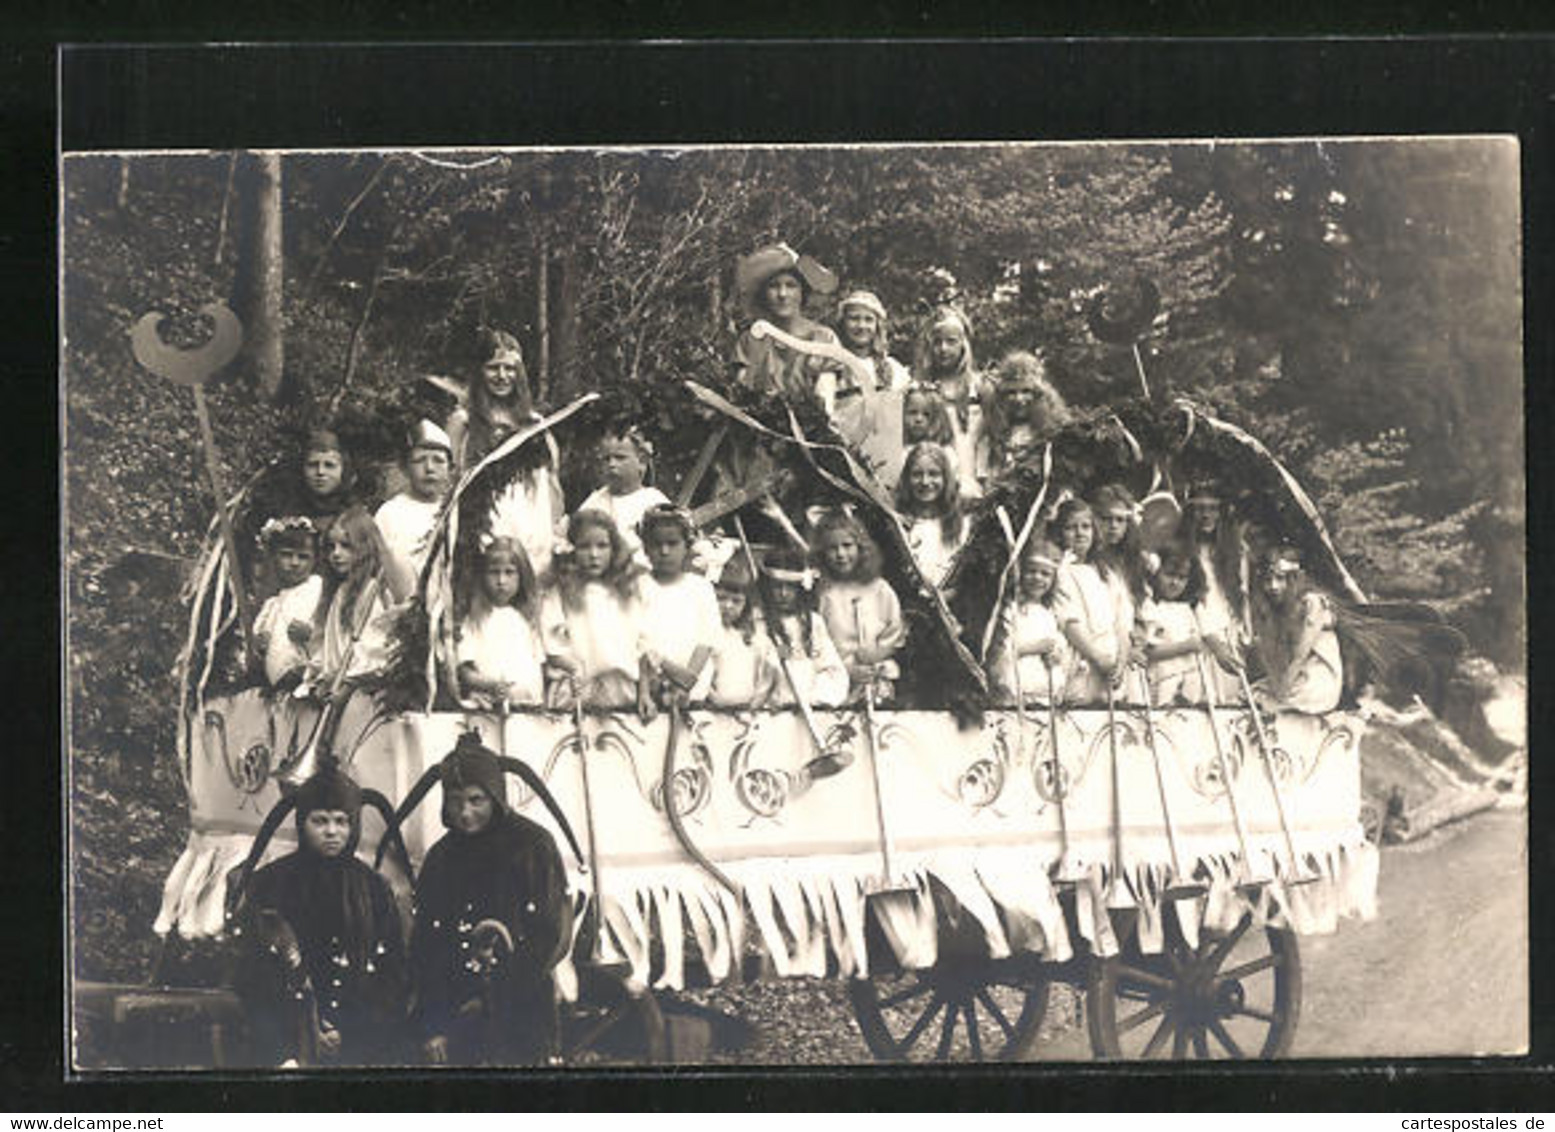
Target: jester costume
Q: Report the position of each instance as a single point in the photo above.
(322, 934)
(492, 922)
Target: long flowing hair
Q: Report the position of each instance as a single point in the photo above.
(621, 575)
(1050, 410)
(361, 534)
(965, 370)
(939, 413)
(526, 600)
(1067, 510)
(805, 601)
(1127, 558)
(948, 510)
(1227, 555)
(484, 409)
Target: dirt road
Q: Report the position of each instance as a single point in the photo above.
(1443, 969)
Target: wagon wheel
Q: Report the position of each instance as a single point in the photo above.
(610, 1023)
(1236, 995)
(958, 1011)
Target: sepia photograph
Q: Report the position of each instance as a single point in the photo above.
(803, 605)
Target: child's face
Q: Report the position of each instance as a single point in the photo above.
(1112, 524)
(501, 578)
(667, 551)
(784, 595)
(339, 552)
(293, 562)
(1036, 579)
(859, 327)
(322, 472)
(784, 295)
(731, 603)
(842, 553)
(592, 552)
(427, 470)
(1206, 515)
(500, 374)
(471, 809)
(1171, 582)
(945, 347)
(1020, 402)
(917, 420)
(926, 481)
(1277, 584)
(1077, 534)
(623, 465)
(327, 832)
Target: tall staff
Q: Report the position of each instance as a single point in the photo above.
(193, 368)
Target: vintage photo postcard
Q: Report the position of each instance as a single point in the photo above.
(794, 605)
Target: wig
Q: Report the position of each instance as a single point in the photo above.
(1050, 412)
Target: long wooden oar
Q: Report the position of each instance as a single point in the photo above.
(1247, 884)
(1065, 870)
(1179, 886)
(1295, 877)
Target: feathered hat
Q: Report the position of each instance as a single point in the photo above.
(753, 271)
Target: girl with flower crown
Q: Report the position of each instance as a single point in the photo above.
(283, 631)
(798, 633)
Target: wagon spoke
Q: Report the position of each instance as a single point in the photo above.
(1249, 968)
(946, 1033)
(1200, 1044)
(1223, 1036)
(1158, 1039)
(922, 1023)
(1149, 1012)
(918, 988)
(972, 1035)
(1179, 1044)
(1254, 1012)
(1148, 978)
(998, 1015)
(1222, 948)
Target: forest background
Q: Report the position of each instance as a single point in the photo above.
(1356, 305)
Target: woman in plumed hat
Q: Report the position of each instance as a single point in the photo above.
(774, 284)
(492, 922)
(320, 924)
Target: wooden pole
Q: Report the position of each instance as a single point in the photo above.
(229, 540)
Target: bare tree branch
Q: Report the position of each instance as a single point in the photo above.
(345, 218)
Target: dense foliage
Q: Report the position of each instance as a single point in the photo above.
(1355, 305)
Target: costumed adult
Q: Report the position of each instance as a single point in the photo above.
(774, 284)
(322, 970)
(499, 402)
(492, 922)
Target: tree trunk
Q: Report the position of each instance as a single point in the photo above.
(262, 266)
(542, 315)
(564, 323)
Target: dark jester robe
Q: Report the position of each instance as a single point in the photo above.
(498, 1011)
(349, 931)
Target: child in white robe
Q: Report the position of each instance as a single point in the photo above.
(283, 631)
(500, 654)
